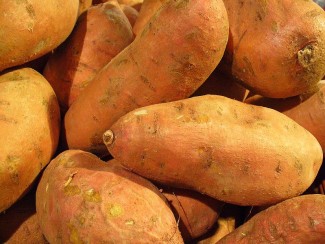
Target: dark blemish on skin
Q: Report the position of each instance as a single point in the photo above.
(6, 103)
(162, 165)
(298, 166)
(146, 81)
(8, 120)
(313, 13)
(96, 139)
(30, 10)
(121, 62)
(95, 118)
(274, 231)
(181, 4)
(278, 168)
(179, 106)
(312, 222)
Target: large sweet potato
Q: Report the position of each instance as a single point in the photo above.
(297, 220)
(276, 48)
(32, 28)
(210, 143)
(167, 62)
(99, 35)
(81, 199)
(29, 129)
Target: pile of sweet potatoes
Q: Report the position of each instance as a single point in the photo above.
(162, 121)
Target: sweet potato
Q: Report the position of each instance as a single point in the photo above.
(83, 6)
(130, 12)
(81, 199)
(297, 220)
(19, 224)
(276, 48)
(204, 143)
(148, 9)
(222, 84)
(197, 213)
(308, 113)
(29, 129)
(133, 3)
(30, 29)
(99, 35)
(167, 62)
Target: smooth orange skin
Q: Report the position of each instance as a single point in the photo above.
(158, 66)
(197, 213)
(85, 200)
(267, 41)
(99, 35)
(148, 9)
(130, 12)
(210, 143)
(30, 29)
(297, 220)
(29, 126)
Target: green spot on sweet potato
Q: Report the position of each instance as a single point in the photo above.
(115, 210)
(71, 190)
(92, 196)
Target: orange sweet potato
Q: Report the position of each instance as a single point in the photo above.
(148, 9)
(297, 220)
(29, 129)
(30, 29)
(81, 199)
(99, 35)
(276, 48)
(167, 62)
(132, 3)
(130, 12)
(204, 143)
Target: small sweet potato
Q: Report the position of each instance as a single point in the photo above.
(167, 62)
(197, 213)
(99, 35)
(29, 129)
(81, 199)
(297, 220)
(30, 29)
(204, 143)
(276, 48)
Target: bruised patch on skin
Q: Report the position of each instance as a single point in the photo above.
(71, 190)
(115, 210)
(92, 196)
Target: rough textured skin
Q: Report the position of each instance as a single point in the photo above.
(204, 143)
(99, 35)
(30, 28)
(148, 9)
(167, 62)
(297, 220)
(223, 85)
(81, 199)
(19, 224)
(29, 129)
(309, 113)
(197, 213)
(276, 48)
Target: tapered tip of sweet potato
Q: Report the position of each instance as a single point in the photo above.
(108, 137)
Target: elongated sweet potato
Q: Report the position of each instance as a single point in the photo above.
(178, 57)
(148, 9)
(99, 35)
(276, 48)
(29, 129)
(30, 29)
(296, 220)
(81, 199)
(204, 143)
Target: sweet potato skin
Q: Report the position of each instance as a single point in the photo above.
(81, 199)
(135, 78)
(276, 48)
(99, 35)
(38, 28)
(29, 126)
(130, 12)
(296, 220)
(204, 143)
